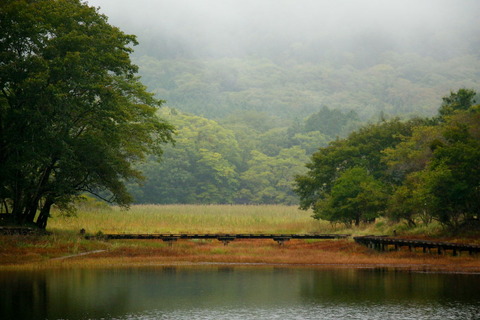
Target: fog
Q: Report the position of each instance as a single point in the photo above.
(171, 28)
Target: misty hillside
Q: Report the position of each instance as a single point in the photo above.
(289, 58)
(254, 88)
(399, 85)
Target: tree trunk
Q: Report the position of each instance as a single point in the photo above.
(33, 206)
(44, 213)
(30, 212)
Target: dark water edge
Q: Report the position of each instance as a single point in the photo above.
(237, 292)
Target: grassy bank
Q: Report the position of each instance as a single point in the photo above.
(65, 247)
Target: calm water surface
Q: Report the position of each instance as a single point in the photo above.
(237, 293)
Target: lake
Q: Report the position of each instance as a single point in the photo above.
(237, 292)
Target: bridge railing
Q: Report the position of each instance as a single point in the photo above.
(384, 243)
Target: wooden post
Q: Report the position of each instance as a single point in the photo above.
(281, 240)
(170, 240)
(226, 240)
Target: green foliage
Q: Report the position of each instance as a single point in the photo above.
(209, 164)
(332, 123)
(246, 158)
(361, 148)
(429, 168)
(438, 168)
(278, 101)
(455, 173)
(355, 196)
(200, 168)
(74, 116)
(413, 152)
(463, 99)
(270, 179)
(410, 201)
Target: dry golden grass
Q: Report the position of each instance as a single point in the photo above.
(322, 254)
(192, 219)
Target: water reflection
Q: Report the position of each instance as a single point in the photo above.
(384, 285)
(236, 293)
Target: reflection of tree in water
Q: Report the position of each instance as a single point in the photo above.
(384, 285)
(54, 295)
(23, 296)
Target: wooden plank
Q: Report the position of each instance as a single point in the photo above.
(217, 236)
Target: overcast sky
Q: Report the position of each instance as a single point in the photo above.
(219, 24)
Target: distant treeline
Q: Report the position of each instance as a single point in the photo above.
(416, 170)
(247, 158)
(396, 84)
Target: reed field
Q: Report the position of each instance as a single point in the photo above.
(217, 219)
(191, 219)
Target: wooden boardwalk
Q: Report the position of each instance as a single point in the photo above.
(384, 243)
(225, 238)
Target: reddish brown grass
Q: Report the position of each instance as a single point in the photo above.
(35, 253)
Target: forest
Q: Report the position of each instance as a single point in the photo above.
(415, 170)
(246, 127)
(244, 159)
(244, 109)
(251, 109)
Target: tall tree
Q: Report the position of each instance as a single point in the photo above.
(463, 99)
(73, 115)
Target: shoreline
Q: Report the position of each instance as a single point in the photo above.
(325, 254)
